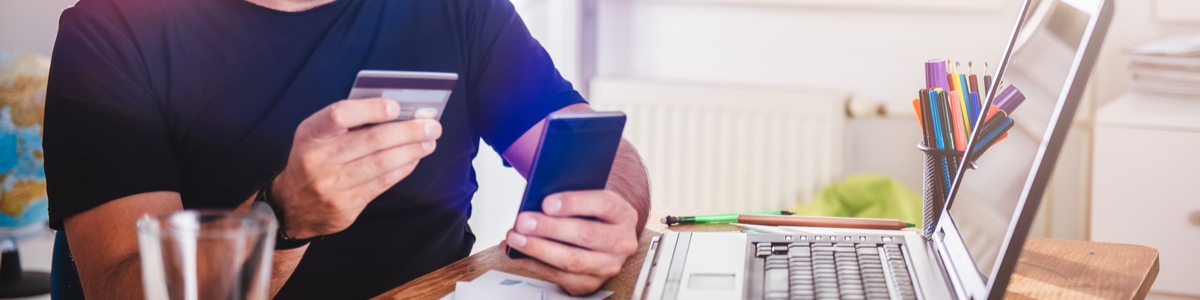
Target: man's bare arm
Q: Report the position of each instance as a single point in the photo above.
(104, 244)
(629, 179)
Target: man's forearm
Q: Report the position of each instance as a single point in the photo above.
(123, 281)
(629, 179)
(283, 263)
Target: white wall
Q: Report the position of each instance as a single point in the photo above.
(877, 52)
(30, 25)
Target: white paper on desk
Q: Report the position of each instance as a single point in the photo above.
(500, 285)
(477, 291)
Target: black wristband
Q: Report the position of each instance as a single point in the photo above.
(282, 240)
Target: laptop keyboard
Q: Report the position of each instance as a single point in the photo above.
(848, 268)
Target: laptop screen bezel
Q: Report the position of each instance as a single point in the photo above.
(952, 249)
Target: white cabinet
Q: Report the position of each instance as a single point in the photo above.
(1146, 183)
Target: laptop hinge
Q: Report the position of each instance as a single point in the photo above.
(938, 244)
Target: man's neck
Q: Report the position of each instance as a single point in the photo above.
(290, 5)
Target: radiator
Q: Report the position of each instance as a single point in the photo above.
(730, 148)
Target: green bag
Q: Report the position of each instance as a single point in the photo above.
(865, 196)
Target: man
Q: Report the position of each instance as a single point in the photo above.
(161, 105)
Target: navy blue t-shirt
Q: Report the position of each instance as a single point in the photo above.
(202, 97)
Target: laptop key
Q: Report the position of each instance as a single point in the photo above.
(779, 249)
(878, 297)
(827, 291)
(802, 288)
(877, 290)
(800, 252)
(776, 281)
(822, 249)
(852, 290)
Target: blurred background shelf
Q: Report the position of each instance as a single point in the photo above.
(1146, 170)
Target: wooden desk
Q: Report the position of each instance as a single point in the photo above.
(1048, 268)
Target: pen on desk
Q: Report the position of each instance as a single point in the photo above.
(987, 79)
(994, 132)
(939, 133)
(1014, 100)
(1004, 96)
(916, 103)
(956, 111)
(974, 79)
(926, 116)
(935, 118)
(975, 111)
(935, 74)
(968, 107)
(859, 223)
(950, 164)
(716, 218)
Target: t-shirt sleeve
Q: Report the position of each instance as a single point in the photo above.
(512, 83)
(104, 135)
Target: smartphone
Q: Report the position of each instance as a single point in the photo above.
(576, 154)
(419, 93)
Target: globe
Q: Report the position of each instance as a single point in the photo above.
(22, 178)
(22, 109)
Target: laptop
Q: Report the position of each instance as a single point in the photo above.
(975, 244)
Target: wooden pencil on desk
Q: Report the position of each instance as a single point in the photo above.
(858, 223)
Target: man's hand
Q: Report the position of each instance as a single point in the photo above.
(337, 166)
(576, 253)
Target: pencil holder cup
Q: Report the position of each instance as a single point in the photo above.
(940, 167)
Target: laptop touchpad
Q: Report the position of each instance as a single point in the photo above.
(711, 281)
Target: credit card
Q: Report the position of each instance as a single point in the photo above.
(421, 94)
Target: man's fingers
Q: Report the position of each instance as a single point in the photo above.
(604, 205)
(378, 164)
(597, 236)
(341, 116)
(574, 284)
(564, 257)
(362, 142)
(373, 187)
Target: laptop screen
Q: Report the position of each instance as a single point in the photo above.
(1040, 67)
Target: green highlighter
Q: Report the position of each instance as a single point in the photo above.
(717, 218)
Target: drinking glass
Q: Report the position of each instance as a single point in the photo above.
(206, 254)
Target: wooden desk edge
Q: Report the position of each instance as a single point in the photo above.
(1151, 276)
